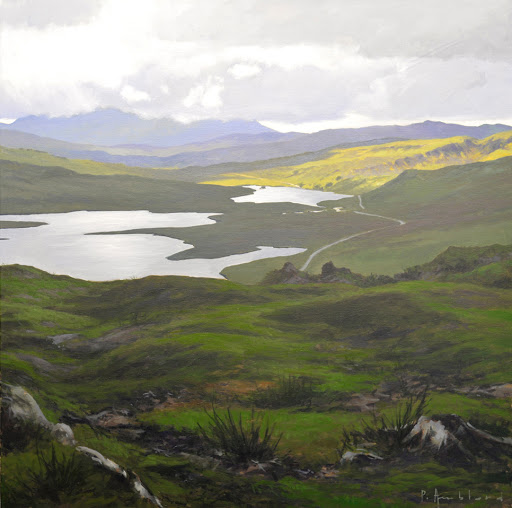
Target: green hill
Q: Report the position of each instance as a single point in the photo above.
(361, 169)
(29, 188)
(150, 354)
(467, 205)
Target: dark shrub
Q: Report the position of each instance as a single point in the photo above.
(240, 440)
(387, 433)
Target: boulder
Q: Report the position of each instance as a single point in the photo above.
(449, 437)
(20, 405)
(361, 458)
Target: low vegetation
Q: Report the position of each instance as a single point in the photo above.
(386, 434)
(135, 363)
(242, 440)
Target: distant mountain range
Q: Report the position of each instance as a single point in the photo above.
(110, 127)
(117, 137)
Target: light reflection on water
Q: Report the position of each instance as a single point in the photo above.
(63, 245)
(288, 195)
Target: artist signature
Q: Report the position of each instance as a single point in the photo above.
(437, 497)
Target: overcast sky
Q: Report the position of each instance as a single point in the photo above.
(292, 64)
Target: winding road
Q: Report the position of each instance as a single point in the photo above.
(341, 240)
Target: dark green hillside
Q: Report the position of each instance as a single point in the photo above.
(478, 191)
(45, 189)
(466, 205)
(131, 365)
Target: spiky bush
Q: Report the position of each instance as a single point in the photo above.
(387, 434)
(55, 476)
(240, 439)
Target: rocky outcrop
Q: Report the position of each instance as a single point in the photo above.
(445, 438)
(115, 468)
(450, 437)
(360, 458)
(21, 406)
(454, 260)
(289, 274)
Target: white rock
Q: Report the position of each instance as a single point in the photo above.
(97, 457)
(430, 430)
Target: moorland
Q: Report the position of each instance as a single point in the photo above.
(370, 370)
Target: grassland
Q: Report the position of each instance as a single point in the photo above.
(459, 205)
(188, 342)
(361, 169)
(83, 166)
(47, 189)
(465, 205)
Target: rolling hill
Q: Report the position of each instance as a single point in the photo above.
(359, 169)
(236, 147)
(466, 205)
(131, 367)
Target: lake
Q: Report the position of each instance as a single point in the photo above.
(65, 245)
(288, 195)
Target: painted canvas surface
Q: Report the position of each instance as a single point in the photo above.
(256, 253)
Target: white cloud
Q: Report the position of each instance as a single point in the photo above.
(131, 94)
(309, 63)
(244, 70)
(206, 95)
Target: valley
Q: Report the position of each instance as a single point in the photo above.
(177, 338)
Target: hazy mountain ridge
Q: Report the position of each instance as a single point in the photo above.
(166, 143)
(113, 127)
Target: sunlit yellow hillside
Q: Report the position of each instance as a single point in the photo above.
(366, 167)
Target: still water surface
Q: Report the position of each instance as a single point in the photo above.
(288, 195)
(65, 246)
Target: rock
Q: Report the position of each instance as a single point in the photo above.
(63, 433)
(22, 406)
(328, 269)
(289, 274)
(327, 473)
(202, 462)
(450, 438)
(113, 467)
(362, 403)
(59, 339)
(143, 492)
(99, 459)
(111, 419)
(502, 391)
(361, 458)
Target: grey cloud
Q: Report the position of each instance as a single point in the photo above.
(404, 60)
(40, 13)
(379, 28)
